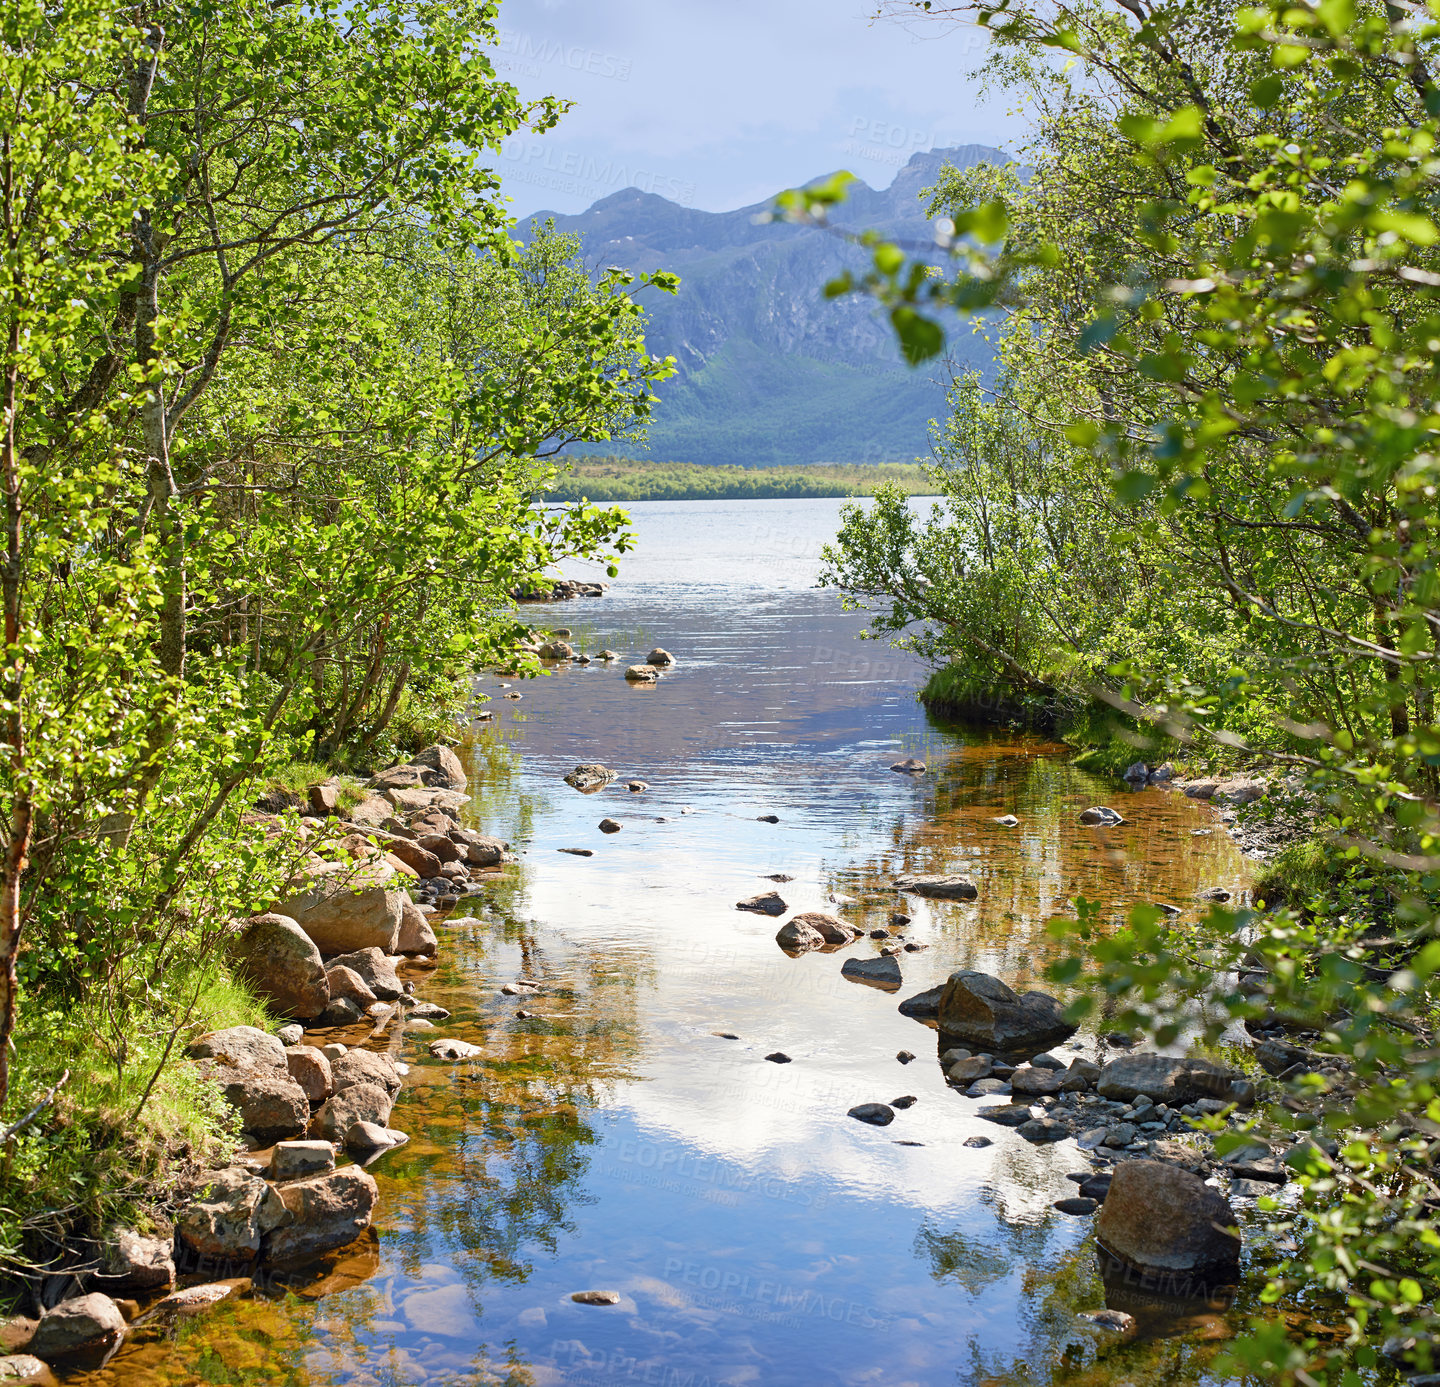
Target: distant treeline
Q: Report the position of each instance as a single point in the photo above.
(623, 479)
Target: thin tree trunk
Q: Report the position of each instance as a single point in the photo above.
(12, 678)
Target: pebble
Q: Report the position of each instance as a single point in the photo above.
(908, 1101)
(596, 1297)
(904, 1056)
(726, 1035)
(609, 826)
(577, 852)
(779, 1057)
(767, 818)
(977, 1142)
(1117, 1320)
(1077, 1205)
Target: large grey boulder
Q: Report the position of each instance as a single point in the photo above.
(440, 768)
(949, 886)
(366, 1067)
(343, 907)
(282, 965)
(981, 1010)
(1159, 1217)
(371, 812)
(1164, 1079)
(227, 1219)
(239, 1047)
(402, 777)
(326, 1211)
(82, 1325)
(361, 1102)
(375, 970)
(272, 1106)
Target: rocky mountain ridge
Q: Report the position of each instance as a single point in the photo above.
(770, 371)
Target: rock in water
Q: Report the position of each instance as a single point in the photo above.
(82, 1325)
(876, 1114)
(294, 1158)
(1101, 816)
(1005, 820)
(1163, 1079)
(416, 935)
(609, 826)
(1159, 1218)
(766, 903)
(282, 965)
(978, 1009)
(589, 777)
(375, 969)
(923, 1006)
(883, 972)
(225, 1222)
(910, 766)
(1007, 1114)
(642, 674)
(829, 927)
(659, 657)
(596, 1297)
(945, 887)
(797, 937)
(454, 1049)
(326, 1211)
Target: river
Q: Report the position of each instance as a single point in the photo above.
(616, 1139)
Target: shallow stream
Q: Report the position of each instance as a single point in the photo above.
(614, 1139)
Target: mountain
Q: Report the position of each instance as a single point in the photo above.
(770, 371)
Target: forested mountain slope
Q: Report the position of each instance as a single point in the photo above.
(771, 371)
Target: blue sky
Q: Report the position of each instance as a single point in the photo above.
(720, 103)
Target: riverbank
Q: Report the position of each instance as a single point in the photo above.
(622, 479)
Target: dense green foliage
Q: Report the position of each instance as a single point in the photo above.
(620, 479)
(1203, 492)
(278, 392)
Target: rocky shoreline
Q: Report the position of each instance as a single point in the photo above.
(340, 956)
